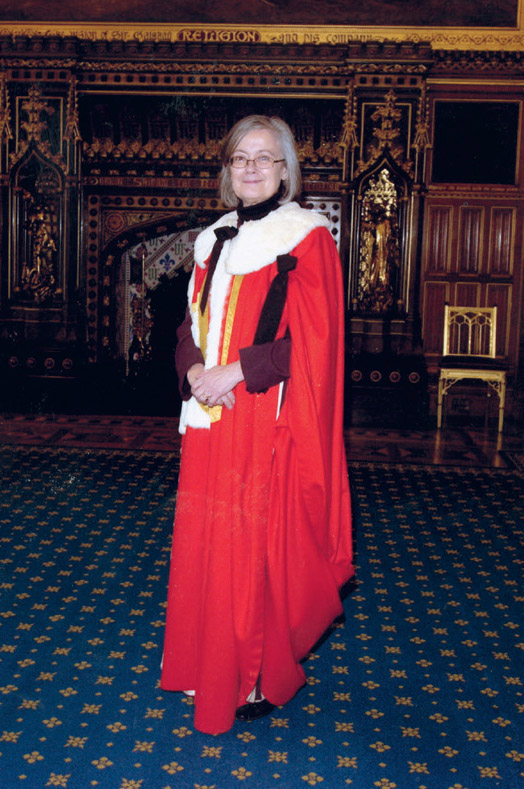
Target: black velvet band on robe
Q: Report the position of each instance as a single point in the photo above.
(223, 234)
(274, 303)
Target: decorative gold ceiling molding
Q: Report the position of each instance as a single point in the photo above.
(448, 38)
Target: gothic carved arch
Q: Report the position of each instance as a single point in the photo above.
(125, 261)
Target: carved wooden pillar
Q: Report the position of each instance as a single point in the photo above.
(40, 196)
(386, 140)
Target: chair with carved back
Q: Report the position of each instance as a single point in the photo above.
(469, 352)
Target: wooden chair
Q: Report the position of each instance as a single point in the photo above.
(469, 352)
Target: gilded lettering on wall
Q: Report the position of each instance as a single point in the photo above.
(449, 37)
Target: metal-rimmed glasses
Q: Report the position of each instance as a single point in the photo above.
(260, 162)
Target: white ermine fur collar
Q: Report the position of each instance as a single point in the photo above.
(257, 245)
(259, 241)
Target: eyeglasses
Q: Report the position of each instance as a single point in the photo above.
(260, 162)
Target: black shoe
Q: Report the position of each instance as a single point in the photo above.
(254, 710)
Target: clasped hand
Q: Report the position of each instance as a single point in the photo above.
(215, 386)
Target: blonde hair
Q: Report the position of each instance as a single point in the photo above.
(291, 186)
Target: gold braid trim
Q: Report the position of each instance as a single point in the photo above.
(230, 317)
(215, 412)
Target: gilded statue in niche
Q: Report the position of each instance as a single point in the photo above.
(38, 272)
(379, 256)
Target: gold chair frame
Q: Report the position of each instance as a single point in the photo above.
(470, 335)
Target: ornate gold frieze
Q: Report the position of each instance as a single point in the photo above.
(340, 55)
(191, 151)
(391, 68)
(444, 61)
(39, 63)
(478, 61)
(185, 150)
(216, 67)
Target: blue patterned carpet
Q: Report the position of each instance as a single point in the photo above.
(420, 687)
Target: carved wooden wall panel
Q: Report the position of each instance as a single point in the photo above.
(478, 269)
(467, 293)
(501, 297)
(469, 252)
(440, 220)
(502, 241)
(435, 295)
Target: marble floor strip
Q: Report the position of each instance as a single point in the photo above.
(459, 446)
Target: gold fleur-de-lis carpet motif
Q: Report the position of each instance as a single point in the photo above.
(420, 686)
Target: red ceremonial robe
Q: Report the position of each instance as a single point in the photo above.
(262, 536)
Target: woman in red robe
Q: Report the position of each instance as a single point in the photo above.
(262, 535)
